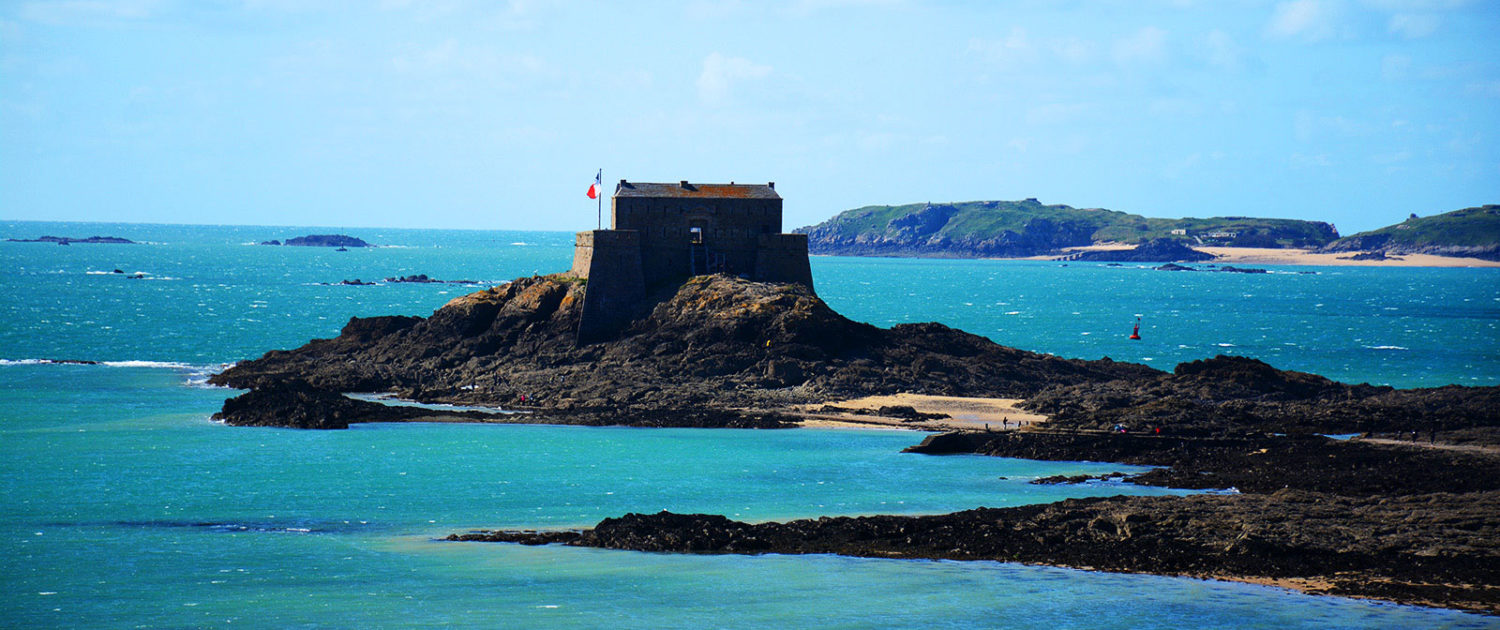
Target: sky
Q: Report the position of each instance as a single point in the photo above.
(497, 115)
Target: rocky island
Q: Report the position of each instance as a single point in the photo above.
(321, 240)
(68, 240)
(692, 319)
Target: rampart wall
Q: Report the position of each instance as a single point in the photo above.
(611, 261)
(783, 258)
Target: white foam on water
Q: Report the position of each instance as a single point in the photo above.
(1387, 348)
(1225, 345)
(23, 361)
(174, 365)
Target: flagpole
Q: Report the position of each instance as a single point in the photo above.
(599, 213)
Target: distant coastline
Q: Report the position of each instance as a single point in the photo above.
(1275, 256)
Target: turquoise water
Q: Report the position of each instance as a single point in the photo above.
(125, 507)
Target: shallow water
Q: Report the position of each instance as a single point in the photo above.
(126, 506)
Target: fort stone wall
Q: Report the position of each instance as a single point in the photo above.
(664, 233)
(783, 258)
(728, 228)
(611, 262)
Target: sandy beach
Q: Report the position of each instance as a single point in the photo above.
(1269, 256)
(965, 414)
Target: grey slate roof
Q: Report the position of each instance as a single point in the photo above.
(699, 191)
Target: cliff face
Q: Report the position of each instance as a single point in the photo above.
(715, 341)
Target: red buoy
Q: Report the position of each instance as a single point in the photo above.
(1136, 334)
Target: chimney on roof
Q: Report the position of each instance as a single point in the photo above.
(684, 183)
(771, 185)
(622, 182)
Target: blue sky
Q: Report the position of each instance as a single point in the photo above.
(460, 114)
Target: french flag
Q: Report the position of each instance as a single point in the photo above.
(598, 182)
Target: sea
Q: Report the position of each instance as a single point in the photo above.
(125, 506)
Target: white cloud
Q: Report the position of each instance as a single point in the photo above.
(1300, 160)
(86, 11)
(1414, 25)
(1308, 20)
(9, 31)
(1055, 113)
(1017, 49)
(721, 72)
(1395, 67)
(1221, 51)
(1177, 169)
(1014, 49)
(1073, 50)
(1484, 88)
(1416, 5)
(1148, 45)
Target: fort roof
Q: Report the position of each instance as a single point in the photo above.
(684, 189)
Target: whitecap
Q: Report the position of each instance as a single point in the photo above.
(23, 361)
(100, 273)
(1387, 348)
(1225, 345)
(175, 365)
(521, 244)
(1013, 312)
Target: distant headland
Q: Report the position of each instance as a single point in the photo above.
(1031, 229)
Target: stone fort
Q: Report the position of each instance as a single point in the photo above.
(662, 234)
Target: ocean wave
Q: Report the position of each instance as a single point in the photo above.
(170, 365)
(1387, 348)
(173, 365)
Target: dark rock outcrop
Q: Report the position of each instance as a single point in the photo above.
(1229, 395)
(716, 342)
(1432, 548)
(1253, 464)
(1154, 250)
(297, 405)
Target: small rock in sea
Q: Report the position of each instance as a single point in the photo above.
(118, 271)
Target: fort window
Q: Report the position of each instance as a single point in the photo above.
(695, 235)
